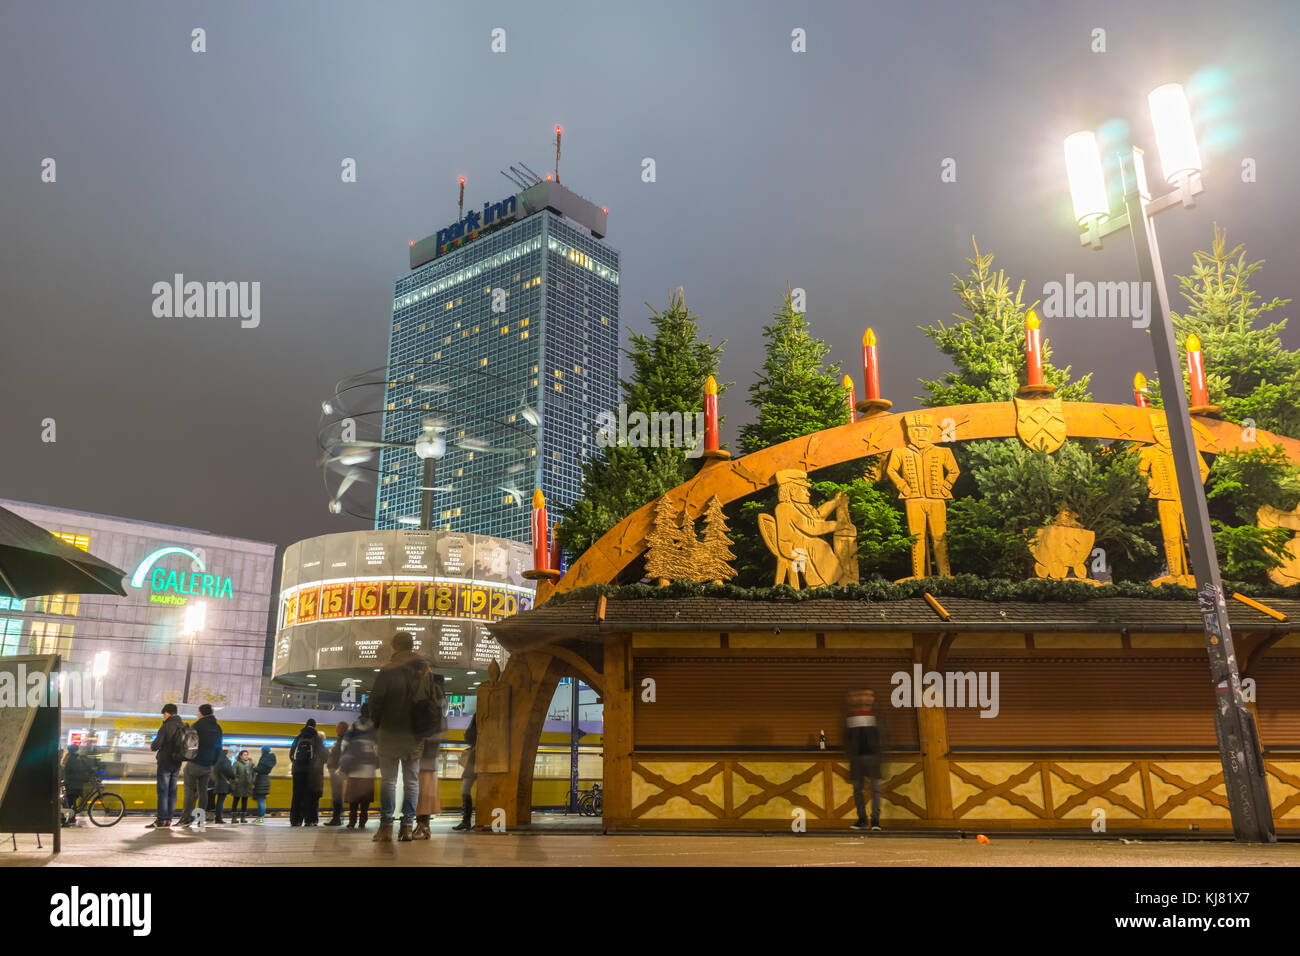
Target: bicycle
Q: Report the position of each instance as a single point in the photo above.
(103, 809)
(590, 803)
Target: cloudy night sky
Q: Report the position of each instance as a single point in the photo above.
(820, 169)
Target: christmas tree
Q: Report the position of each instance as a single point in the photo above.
(713, 552)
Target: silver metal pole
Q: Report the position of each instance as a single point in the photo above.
(1239, 750)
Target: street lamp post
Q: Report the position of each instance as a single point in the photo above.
(1239, 748)
(194, 617)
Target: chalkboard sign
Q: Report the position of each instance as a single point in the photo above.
(29, 746)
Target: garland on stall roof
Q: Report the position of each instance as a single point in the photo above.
(961, 586)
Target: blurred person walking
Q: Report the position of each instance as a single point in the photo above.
(429, 803)
(337, 777)
(864, 745)
(359, 762)
(401, 705)
(467, 775)
(306, 756)
(224, 776)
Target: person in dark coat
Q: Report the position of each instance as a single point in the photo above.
(77, 772)
(307, 762)
(224, 776)
(198, 770)
(262, 783)
(241, 788)
(863, 746)
(358, 763)
(169, 766)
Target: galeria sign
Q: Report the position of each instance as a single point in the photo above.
(168, 586)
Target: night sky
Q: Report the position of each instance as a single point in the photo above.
(821, 169)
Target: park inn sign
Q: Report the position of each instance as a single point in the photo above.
(168, 586)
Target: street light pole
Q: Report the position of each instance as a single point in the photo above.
(1234, 727)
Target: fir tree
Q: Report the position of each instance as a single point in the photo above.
(667, 544)
(713, 553)
(987, 343)
(795, 393)
(669, 369)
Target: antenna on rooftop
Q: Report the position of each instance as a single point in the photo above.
(460, 209)
(536, 178)
(558, 133)
(516, 178)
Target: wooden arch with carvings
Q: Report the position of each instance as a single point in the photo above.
(513, 704)
(731, 479)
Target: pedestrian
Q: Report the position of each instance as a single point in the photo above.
(399, 688)
(430, 801)
(262, 783)
(223, 774)
(241, 788)
(77, 771)
(337, 777)
(467, 775)
(167, 744)
(863, 746)
(198, 769)
(302, 765)
(320, 756)
(359, 763)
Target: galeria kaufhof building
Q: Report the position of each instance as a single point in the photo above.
(543, 363)
(169, 570)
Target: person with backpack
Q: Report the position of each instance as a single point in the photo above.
(304, 753)
(864, 745)
(170, 744)
(337, 777)
(262, 783)
(402, 706)
(201, 761)
(241, 788)
(359, 763)
(430, 803)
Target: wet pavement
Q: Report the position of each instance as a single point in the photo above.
(556, 841)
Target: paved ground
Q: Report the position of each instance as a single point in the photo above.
(560, 842)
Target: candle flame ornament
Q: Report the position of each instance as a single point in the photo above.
(541, 552)
(1200, 393)
(872, 403)
(850, 398)
(1140, 391)
(1034, 384)
(712, 452)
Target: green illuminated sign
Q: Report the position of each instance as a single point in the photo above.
(175, 587)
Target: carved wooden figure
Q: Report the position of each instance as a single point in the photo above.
(923, 473)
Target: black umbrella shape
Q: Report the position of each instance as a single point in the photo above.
(34, 562)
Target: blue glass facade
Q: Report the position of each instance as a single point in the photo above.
(481, 378)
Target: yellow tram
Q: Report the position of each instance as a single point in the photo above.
(120, 743)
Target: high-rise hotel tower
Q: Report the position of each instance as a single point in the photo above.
(504, 347)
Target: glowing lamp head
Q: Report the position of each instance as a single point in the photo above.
(336, 507)
(1139, 382)
(868, 338)
(1193, 343)
(710, 386)
(1175, 135)
(430, 445)
(1031, 319)
(539, 499)
(1087, 182)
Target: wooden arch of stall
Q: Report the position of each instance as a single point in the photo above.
(512, 705)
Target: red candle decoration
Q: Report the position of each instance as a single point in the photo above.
(710, 414)
(541, 554)
(1196, 372)
(555, 547)
(850, 398)
(870, 367)
(1140, 391)
(1033, 349)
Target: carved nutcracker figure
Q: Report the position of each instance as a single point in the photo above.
(923, 473)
